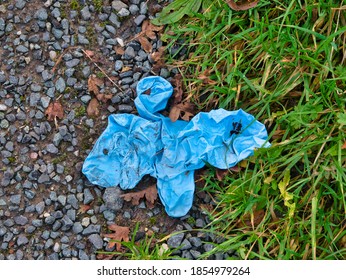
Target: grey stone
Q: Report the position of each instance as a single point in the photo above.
(22, 240)
(62, 199)
(71, 213)
(133, 9)
(30, 229)
(200, 223)
(21, 220)
(124, 12)
(56, 225)
(66, 223)
(45, 101)
(175, 240)
(82, 255)
(109, 215)
(9, 146)
(72, 63)
(41, 14)
(44, 178)
(49, 220)
(77, 228)
(118, 5)
(186, 245)
(139, 20)
(40, 207)
(37, 223)
(3, 107)
(96, 240)
(88, 197)
(85, 98)
(15, 199)
(3, 231)
(208, 247)
(58, 33)
(52, 149)
(118, 65)
(34, 98)
(85, 13)
(112, 198)
(72, 200)
(129, 53)
(195, 241)
(20, 4)
(113, 18)
(123, 108)
(22, 49)
(91, 229)
(49, 243)
(195, 254)
(60, 85)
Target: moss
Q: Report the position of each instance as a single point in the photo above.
(60, 158)
(97, 5)
(80, 111)
(12, 159)
(74, 5)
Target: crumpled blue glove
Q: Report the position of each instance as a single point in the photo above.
(133, 146)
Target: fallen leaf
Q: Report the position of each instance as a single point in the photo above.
(83, 208)
(221, 173)
(119, 50)
(94, 83)
(104, 256)
(120, 234)
(187, 116)
(54, 110)
(89, 53)
(93, 109)
(149, 29)
(177, 82)
(158, 58)
(146, 45)
(252, 220)
(104, 97)
(343, 146)
(174, 114)
(242, 5)
(149, 193)
(204, 77)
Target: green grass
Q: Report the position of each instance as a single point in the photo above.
(284, 62)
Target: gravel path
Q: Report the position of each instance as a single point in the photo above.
(48, 210)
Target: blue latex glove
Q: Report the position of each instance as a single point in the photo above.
(133, 146)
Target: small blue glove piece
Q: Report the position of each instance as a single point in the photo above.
(133, 146)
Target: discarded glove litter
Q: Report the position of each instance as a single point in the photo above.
(132, 146)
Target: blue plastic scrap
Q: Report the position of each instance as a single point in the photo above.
(132, 146)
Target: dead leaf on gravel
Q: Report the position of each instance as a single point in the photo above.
(149, 193)
(89, 53)
(149, 29)
(146, 45)
(54, 110)
(94, 83)
(158, 59)
(93, 109)
(83, 208)
(119, 50)
(242, 5)
(120, 234)
(103, 97)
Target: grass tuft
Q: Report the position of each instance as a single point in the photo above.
(284, 62)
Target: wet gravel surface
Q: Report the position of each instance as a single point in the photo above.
(48, 210)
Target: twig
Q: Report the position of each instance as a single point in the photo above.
(103, 72)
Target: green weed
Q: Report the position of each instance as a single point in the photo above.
(284, 62)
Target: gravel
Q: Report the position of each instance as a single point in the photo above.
(48, 210)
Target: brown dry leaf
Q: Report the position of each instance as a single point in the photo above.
(204, 77)
(242, 5)
(149, 29)
(93, 109)
(120, 234)
(252, 220)
(83, 208)
(103, 97)
(54, 110)
(149, 193)
(221, 173)
(146, 45)
(89, 53)
(187, 116)
(157, 56)
(94, 83)
(174, 114)
(177, 82)
(119, 50)
(104, 256)
(343, 147)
